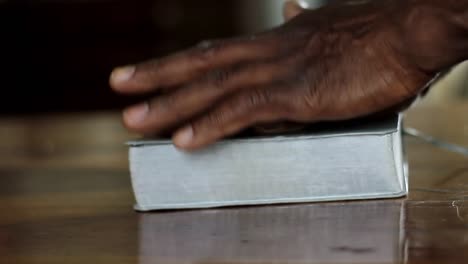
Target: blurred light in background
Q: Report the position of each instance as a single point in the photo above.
(452, 87)
(259, 15)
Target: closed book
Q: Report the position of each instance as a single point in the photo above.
(354, 160)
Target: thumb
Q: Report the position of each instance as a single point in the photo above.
(291, 9)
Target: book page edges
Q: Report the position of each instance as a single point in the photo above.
(384, 128)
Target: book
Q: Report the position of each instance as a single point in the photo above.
(354, 160)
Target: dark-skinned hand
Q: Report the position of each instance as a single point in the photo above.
(343, 61)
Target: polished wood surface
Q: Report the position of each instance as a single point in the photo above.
(65, 197)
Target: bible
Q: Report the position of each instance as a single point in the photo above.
(333, 161)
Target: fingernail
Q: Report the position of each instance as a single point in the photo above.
(184, 137)
(122, 74)
(134, 115)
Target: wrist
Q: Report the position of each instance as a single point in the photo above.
(434, 33)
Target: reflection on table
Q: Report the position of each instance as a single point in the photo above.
(65, 197)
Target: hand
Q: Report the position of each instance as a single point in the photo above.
(339, 62)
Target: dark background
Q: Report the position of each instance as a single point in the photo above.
(57, 55)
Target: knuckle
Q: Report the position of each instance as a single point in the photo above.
(208, 50)
(304, 98)
(309, 89)
(256, 97)
(163, 104)
(212, 121)
(205, 44)
(219, 77)
(149, 67)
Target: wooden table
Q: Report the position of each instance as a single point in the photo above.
(65, 197)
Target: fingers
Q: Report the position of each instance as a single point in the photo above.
(167, 111)
(184, 66)
(291, 10)
(244, 110)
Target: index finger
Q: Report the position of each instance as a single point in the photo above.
(187, 65)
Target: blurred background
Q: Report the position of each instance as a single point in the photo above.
(57, 55)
